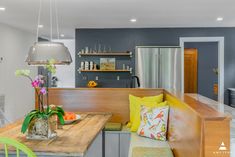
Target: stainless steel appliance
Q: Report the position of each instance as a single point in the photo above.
(159, 67)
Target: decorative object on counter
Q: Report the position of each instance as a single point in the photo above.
(39, 123)
(107, 63)
(54, 81)
(70, 117)
(92, 84)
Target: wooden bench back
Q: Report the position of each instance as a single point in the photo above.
(98, 100)
(195, 129)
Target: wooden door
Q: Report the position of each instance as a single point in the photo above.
(190, 70)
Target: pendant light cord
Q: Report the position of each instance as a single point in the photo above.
(57, 21)
(39, 18)
(51, 20)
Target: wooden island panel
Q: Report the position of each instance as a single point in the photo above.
(72, 140)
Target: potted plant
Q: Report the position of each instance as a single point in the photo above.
(39, 123)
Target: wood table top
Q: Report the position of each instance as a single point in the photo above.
(72, 140)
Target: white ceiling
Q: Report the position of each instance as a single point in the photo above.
(117, 13)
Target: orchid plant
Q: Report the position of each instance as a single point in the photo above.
(39, 85)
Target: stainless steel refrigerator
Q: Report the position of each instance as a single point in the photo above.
(159, 67)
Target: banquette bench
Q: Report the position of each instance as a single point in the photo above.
(194, 129)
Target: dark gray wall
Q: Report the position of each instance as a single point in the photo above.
(127, 39)
(207, 60)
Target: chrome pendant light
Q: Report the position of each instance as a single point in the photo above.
(41, 52)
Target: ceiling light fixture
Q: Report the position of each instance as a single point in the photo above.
(41, 52)
(220, 19)
(40, 26)
(2, 9)
(133, 20)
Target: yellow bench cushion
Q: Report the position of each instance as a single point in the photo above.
(136, 102)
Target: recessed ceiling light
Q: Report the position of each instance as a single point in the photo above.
(220, 19)
(133, 20)
(61, 35)
(2, 9)
(40, 26)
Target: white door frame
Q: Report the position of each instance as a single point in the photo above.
(220, 41)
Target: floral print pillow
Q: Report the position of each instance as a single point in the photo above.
(153, 122)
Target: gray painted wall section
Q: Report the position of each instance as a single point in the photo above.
(127, 39)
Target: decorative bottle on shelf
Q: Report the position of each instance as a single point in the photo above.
(82, 66)
(91, 65)
(86, 65)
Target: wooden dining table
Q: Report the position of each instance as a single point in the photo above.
(72, 140)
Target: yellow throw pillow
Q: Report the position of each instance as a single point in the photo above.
(136, 123)
(137, 101)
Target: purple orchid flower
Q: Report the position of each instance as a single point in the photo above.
(43, 91)
(35, 83)
(38, 81)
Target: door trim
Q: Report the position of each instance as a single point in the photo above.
(220, 41)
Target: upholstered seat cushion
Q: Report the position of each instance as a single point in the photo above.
(151, 152)
(138, 141)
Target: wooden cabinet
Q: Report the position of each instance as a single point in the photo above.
(117, 143)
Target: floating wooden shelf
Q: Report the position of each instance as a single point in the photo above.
(105, 70)
(129, 71)
(106, 54)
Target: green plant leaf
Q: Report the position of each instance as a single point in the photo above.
(52, 112)
(26, 122)
(59, 109)
(61, 118)
(48, 110)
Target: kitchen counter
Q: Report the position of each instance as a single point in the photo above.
(72, 140)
